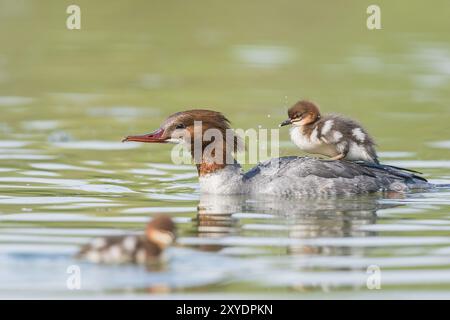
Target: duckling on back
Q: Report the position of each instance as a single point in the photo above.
(331, 135)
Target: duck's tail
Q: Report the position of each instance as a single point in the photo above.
(397, 171)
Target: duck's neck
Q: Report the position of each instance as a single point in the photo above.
(211, 157)
(204, 168)
(218, 172)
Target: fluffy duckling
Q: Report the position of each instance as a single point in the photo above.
(138, 249)
(331, 135)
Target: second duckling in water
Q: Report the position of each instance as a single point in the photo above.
(138, 249)
(331, 135)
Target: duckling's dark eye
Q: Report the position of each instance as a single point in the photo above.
(180, 126)
(300, 115)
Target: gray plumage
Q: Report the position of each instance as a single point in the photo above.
(309, 176)
(304, 176)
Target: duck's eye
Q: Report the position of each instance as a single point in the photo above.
(180, 126)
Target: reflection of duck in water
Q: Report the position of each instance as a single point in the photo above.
(233, 222)
(139, 249)
(219, 173)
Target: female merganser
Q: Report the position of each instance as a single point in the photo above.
(285, 176)
(139, 249)
(329, 135)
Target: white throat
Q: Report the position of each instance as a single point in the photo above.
(224, 181)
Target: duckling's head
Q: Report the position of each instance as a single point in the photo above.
(302, 113)
(161, 231)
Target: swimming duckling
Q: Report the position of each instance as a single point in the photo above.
(138, 249)
(330, 135)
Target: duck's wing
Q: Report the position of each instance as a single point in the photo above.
(304, 166)
(301, 167)
(312, 175)
(351, 169)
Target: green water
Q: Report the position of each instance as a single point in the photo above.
(68, 97)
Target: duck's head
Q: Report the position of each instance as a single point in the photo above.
(302, 113)
(185, 126)
(161, 231)
(206, 132)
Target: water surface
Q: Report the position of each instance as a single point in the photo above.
(68, 97)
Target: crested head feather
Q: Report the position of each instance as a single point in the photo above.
(210, 120)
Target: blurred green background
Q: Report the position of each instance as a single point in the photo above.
(248, 59)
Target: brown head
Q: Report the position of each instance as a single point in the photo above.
(302, 113)
(161, 231)
(180, 126)
(198, 129)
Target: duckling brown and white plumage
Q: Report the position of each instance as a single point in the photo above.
(138, 249)
(330, 135)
